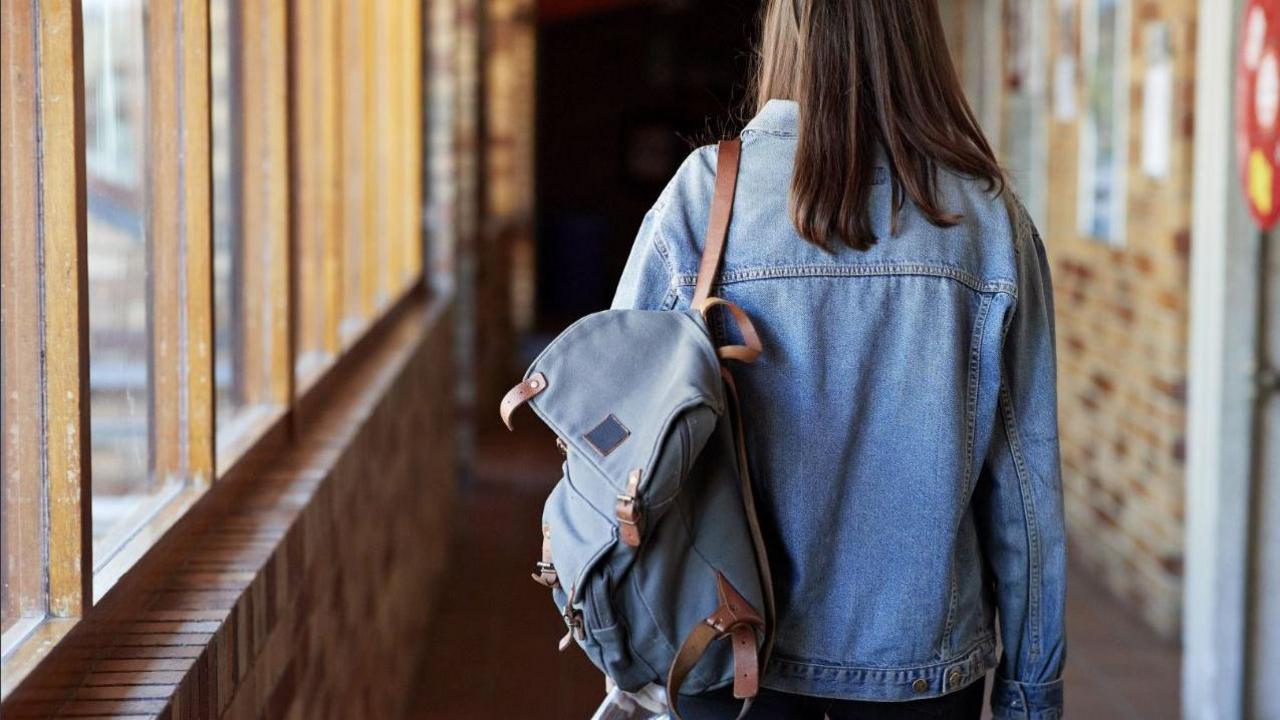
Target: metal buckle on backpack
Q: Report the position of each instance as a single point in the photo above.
(545, 572)
(572, 618)
(627, 509)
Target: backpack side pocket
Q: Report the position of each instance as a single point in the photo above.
(608, 639)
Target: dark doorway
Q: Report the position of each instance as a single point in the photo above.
(624, 94)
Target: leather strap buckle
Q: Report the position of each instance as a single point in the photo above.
(734, 619)
(544, 571)
(573, 619)
(628, 511)
(576, 631)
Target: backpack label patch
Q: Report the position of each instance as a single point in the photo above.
(608, 435)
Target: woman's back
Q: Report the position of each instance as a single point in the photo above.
(900, 425)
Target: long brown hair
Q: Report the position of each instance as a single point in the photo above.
(868, 73)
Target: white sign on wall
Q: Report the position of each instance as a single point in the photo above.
(1157, 101)
(1104, 128)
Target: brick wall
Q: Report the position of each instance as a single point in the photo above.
(1122, 328)
(1122, 317)
(362, 566)
(300, 587)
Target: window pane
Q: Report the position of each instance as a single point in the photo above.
(251, 218)
(229, 367)
(125, 491)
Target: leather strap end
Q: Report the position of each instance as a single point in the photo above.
(746, 667)
(519, 395)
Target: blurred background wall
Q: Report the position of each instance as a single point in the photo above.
(1120, 267)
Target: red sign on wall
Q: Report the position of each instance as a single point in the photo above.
(1258, 110)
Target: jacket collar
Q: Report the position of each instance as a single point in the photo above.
(777, 116)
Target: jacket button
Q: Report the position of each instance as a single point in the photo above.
(920, 685)
(954, 678)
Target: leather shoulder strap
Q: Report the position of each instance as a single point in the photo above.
(718, 224)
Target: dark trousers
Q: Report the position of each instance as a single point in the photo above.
(964, 704)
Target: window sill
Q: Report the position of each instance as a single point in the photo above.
(263, 494)
(246, 431)
(37, 639)
(131, 550)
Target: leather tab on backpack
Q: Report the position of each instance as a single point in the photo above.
(546, 571)
(734, 609)
(519, 395)
(746, 664)
(627, 509)
(736, 618)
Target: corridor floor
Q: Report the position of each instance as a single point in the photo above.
(491, 653)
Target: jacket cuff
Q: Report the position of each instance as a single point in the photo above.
(1026, 701)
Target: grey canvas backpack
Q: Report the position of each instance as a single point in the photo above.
(650, 542)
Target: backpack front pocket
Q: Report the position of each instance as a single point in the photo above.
(579, 536)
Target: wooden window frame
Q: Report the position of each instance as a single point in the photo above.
(297, 212)
(178, 187)
(317, 186)
(45, 324)
(264, 351)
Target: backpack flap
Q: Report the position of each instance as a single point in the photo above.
(633, 395)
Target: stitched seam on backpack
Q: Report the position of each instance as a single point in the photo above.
(644, 602)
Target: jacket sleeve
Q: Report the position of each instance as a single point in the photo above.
(646, 279)
(1018, 500)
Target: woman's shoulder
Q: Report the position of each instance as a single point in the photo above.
(684, 204)
(694, 175)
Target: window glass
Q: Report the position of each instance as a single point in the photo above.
(125, 491)
(250, 220)
(229, 366)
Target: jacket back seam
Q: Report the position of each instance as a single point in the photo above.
(740, 275)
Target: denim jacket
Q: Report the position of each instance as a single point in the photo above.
(902, 430)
